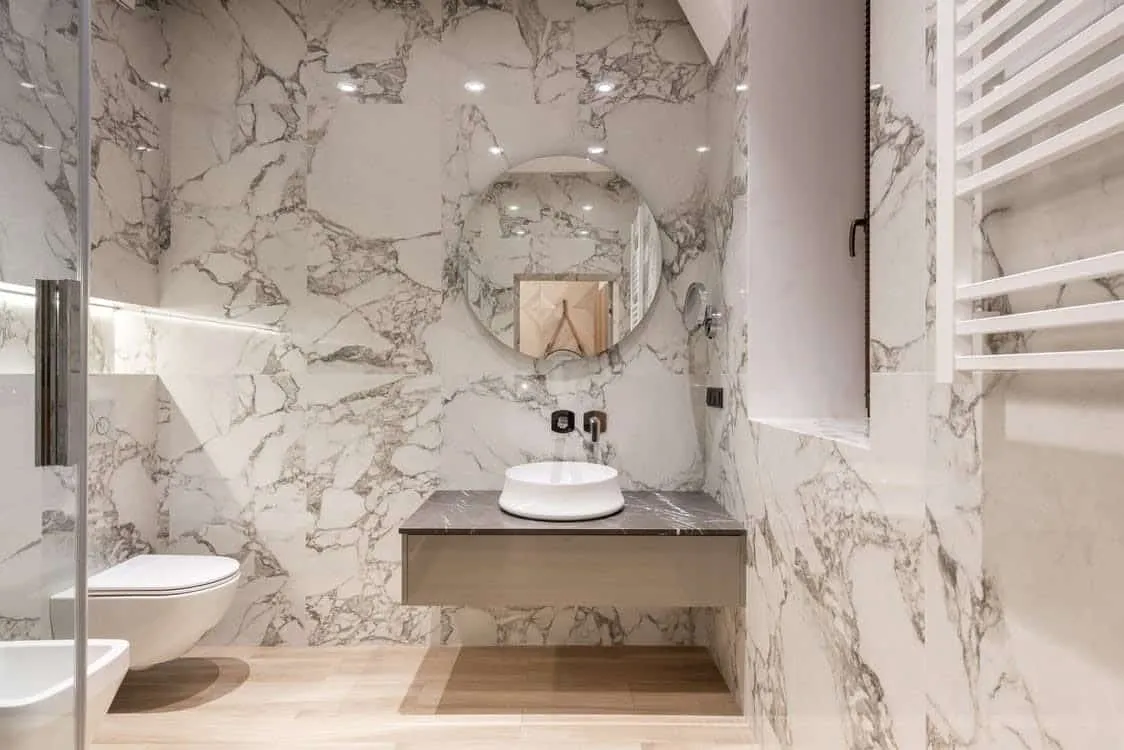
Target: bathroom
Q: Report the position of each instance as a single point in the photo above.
(841, 527)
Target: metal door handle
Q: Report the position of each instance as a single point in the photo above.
(855, 225)
(57, 370)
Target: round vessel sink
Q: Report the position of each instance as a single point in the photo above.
(561, 491)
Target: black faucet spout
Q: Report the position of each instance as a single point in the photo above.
(595, 423)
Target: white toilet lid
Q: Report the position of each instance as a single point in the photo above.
(163, 574)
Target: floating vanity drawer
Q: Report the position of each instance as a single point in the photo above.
(663, 549)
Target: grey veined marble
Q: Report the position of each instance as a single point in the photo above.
(646, 513)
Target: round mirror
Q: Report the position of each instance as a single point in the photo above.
(561, 256)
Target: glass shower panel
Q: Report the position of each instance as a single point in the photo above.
(44, 131)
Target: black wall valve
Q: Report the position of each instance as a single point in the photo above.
(562, 421)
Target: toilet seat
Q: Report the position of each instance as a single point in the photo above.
(163, 575)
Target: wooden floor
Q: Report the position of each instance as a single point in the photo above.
(401, 698)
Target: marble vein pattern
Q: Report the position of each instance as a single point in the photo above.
(826, 655)
(646, 50)
(236, 160)
(39, 77)
(388, 51)
(322, 160)
(21, 546)
(645, 513)
(129, 123)
(905, 593)
(38, 136)
(545, 626)
(899, 169)
(121, 458)
(524, 50)
(37, 541)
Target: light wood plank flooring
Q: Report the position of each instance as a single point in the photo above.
(403, 698)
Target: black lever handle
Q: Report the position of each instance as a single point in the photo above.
(854, 229)
(562, 421)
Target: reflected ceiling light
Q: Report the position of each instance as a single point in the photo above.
(475, 86)
(596, 150)
(605, 87)
(347, 87)
(702, 149)
(583, 232)
(742, 87)
(587, 207)
(145, 148)
(27, 85)
(495, 150)
(520, 232)
(45, 147)
(513, 207)
(158, 85)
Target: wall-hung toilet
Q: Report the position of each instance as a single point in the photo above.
(161, 604)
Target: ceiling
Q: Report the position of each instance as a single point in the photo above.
(712, 21)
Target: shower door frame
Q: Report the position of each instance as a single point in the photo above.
(82, 273)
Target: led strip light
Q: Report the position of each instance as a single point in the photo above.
(28, 293)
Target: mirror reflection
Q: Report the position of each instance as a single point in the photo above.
(561, 256)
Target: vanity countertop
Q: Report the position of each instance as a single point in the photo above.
(646, 513)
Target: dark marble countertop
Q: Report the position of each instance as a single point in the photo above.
(646, 513)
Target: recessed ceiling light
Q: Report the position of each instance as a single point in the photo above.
(495, 150)
(587, 207)
(742, 87)
(702, 149)
(596, 150)
(27, 85)
(513, 207)
(475, 86)
(347, 87)
(158, 85)
(605, 87)
(583, 232)
(520, 232)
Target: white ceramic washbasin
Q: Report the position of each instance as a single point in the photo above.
(561, 491)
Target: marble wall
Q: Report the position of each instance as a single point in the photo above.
(332, 217)
(37, 221)
(130, 229)
(129, 162)
(1051, 471)
(38, 134)
(928, 583)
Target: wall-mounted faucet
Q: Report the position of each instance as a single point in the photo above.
(595, 423)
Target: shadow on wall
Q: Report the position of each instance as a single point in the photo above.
(1053, 524)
